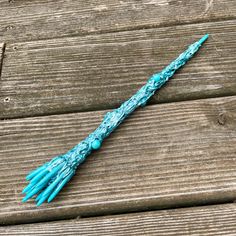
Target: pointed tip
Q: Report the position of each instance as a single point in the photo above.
(39, 203)
(31, 193)
(24, 199)
(33, 173)
(41, 200)
(27, 188)
(28, 177)
(23, 191)
(204, 38)
(38, 197)
(51, 198)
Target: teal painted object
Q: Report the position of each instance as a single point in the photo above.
(47, 181)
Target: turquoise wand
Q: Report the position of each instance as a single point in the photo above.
(47, 180)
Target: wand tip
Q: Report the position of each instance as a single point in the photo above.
(204, 38)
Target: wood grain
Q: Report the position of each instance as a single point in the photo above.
(101, 71)
(169, 155)
(209, 220)
(31, 20)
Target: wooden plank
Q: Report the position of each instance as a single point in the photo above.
(101, 71)
(208, 220)
(29, 20)
(168, 155)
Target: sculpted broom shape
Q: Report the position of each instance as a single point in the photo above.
(47, 180)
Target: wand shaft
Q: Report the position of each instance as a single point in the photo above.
(112, 119)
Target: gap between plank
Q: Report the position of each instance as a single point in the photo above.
(2, 58)
(109, 108)
(91, 216)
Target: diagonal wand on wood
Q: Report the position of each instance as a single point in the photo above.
(47, 180)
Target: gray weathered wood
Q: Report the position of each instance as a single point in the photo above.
(101, 71)
(209, 220)
(30, 20)
(167, 155)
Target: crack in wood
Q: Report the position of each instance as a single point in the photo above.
(209, 4)
(2, 52)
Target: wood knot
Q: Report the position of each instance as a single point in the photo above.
(9, 27)
(222, 119)
(7, 99)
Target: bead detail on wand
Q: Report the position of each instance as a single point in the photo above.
(47, 180)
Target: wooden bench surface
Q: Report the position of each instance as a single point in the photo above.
(64, 64)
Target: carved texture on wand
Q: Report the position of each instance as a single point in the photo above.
(47, 180)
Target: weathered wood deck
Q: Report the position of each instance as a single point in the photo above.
(64, 63)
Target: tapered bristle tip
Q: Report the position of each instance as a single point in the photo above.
(24, 199)
(204, 38)
(23, 191)
(39, 203)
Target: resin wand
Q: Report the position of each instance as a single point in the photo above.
(47, 180)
